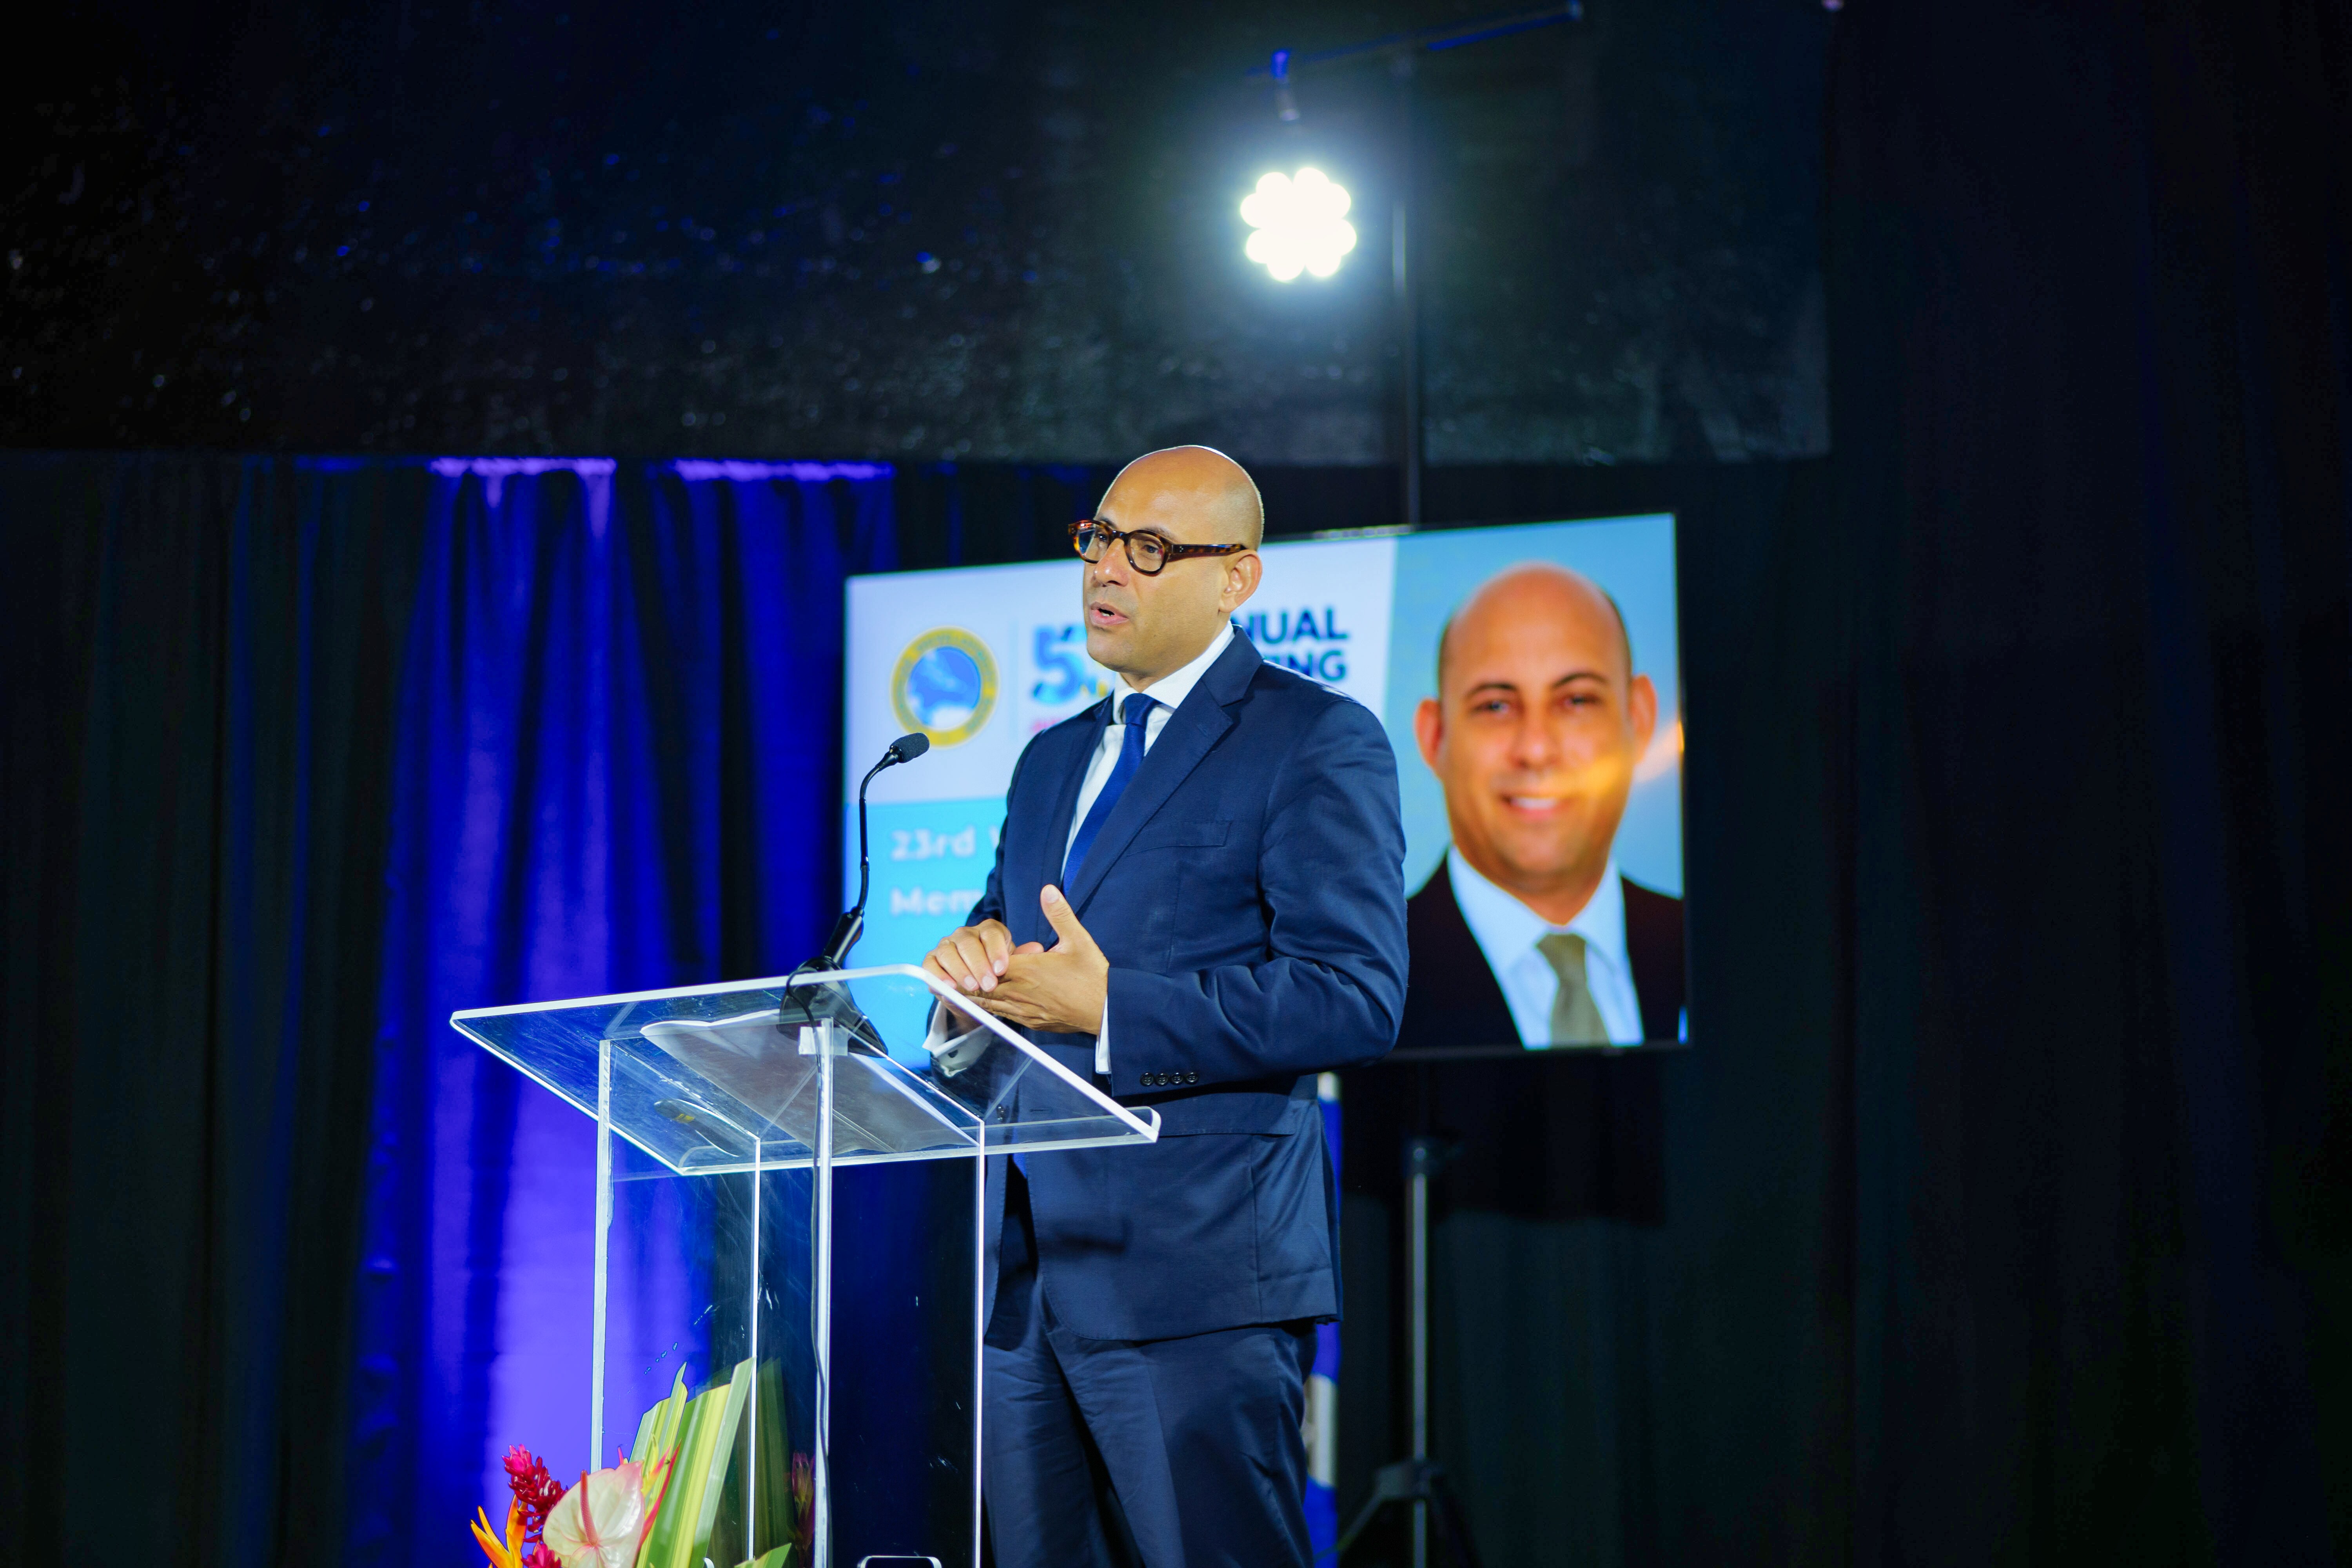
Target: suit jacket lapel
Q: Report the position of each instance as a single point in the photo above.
(1471, 1000)
(1063, 776)
(1654, 948)
(1191, 730)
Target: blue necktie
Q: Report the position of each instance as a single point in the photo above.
(1133, 711)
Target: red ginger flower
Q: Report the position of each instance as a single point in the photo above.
(536, 1492)
(804, 1499)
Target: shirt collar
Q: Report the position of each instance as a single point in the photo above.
(1506, 927)
(1171, 690)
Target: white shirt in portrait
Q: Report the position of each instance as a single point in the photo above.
(1507, 930)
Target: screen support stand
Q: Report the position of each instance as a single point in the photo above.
(1418, 1482)
(1419, 1162)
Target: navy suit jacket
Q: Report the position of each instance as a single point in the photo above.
(1248, 891)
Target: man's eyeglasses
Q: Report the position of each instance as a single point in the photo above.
(1147, 553)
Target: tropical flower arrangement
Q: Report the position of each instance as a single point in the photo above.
(660, 1508)
(562, 1528)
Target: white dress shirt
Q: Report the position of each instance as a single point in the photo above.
(1168, 694)
(1507, 930)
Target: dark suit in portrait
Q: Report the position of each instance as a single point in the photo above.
(1150, 1308)
(1456, 1004)
(1569, 1133)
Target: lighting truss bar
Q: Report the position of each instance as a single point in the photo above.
(1449, 35)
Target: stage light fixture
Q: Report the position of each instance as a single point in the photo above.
(1299, 224)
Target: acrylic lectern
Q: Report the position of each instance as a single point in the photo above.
(789, 1251)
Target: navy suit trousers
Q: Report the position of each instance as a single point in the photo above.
(1179, 1453)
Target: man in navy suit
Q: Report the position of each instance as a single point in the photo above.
(1215, 856)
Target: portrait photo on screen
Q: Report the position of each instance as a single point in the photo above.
(1533, 699)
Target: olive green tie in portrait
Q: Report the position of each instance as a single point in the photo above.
(1575, 1020)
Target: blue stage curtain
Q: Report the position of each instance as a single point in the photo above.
(617, 755)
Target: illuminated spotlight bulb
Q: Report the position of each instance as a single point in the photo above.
(1299, 224)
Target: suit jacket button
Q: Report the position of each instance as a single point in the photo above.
(1151, 1080)
(1192, 1077)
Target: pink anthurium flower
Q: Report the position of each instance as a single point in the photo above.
(601, 1522)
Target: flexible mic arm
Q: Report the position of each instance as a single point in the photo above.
(852, 924)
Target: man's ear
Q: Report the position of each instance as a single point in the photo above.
(1642, 704)
(1243, 574)
(1429, 728)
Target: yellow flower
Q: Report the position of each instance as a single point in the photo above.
(510, 1555)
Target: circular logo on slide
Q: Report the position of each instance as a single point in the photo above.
(945, 686)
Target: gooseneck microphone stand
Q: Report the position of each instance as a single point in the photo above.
(812, 1007)
(811, 1003)
(852, 924)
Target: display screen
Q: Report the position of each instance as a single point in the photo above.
(1541, 782)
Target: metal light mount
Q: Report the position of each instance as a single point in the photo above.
(1319, 240)
(1285, 104)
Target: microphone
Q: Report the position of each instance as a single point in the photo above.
(852, 924)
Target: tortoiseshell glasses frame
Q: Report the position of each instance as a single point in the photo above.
(1148, 553)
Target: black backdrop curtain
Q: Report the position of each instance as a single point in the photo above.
(200, 674)
(2005, 1213)
(2095, 339)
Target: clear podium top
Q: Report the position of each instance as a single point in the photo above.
(712, 1078)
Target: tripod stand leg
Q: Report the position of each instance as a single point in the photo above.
(1421, 1487)
(1416, 1245)
(1452, 1528)
(1393, 1483)
(1415, 1482)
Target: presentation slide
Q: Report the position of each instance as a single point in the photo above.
(1541, 783)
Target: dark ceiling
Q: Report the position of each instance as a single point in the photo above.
(908, 229)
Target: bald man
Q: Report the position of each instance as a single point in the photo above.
(1527, 932)
(1198, 898)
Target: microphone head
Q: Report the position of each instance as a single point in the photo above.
(906, 748)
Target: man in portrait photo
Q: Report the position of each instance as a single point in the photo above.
(1527, 932)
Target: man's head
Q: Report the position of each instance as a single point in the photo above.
(1146, 627)
(1538, 722)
